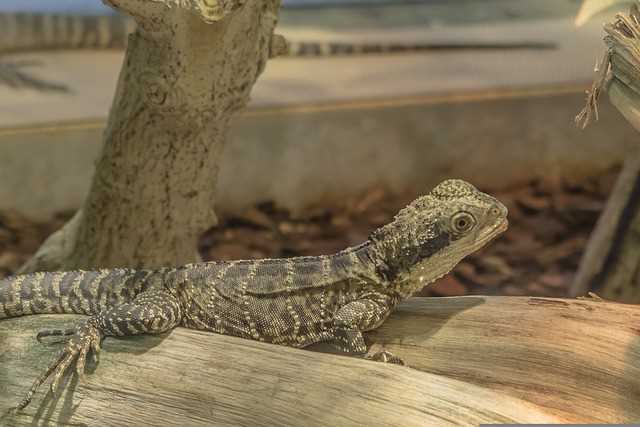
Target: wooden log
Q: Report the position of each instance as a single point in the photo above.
(472, 360)
(577, 359)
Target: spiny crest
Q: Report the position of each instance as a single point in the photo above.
(449, 190)
(454, 189)
(426, 209)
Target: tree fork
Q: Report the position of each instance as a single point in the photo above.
(189, 68)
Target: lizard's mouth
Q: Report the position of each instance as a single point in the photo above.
(491, 233)
(438, 268)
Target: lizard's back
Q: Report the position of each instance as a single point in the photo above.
(284, 301)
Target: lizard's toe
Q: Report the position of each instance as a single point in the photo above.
(87, 341)
(387, 357)
(86, 337)
(82, 358)
(55, 333)
(60, 370)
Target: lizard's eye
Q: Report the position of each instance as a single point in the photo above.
(462, 222)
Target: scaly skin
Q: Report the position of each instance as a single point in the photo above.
(294, 302)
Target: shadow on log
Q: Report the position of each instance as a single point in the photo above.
(473, 360)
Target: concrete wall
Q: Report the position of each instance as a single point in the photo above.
(319, 154)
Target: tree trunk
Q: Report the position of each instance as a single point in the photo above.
(471, 360)
(189, 67)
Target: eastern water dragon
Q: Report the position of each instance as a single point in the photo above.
(294, 301)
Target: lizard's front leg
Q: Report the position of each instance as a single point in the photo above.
(151, 312)
(358, 316)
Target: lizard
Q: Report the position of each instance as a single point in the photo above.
(289, 301)
(27, 32)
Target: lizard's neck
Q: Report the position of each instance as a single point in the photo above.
(359, 262)
(403, 271)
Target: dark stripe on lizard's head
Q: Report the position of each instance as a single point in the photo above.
(433, 233)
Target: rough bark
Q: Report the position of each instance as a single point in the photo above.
(472, 360)
(189, 67)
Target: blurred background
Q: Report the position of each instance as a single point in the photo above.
(332, 146)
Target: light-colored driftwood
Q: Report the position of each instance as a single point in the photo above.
(473, 360)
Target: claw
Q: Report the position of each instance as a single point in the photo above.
(38, 382)
(85, 338)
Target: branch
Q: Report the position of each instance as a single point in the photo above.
(473, 360)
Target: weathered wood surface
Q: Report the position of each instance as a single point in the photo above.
(473, 360)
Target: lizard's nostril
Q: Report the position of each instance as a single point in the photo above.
(498, 211)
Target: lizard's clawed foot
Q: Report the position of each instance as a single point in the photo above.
(591, 296)
(386, 357)
(86, 337)
(55, 333)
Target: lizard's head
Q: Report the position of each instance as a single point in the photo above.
(431, 235)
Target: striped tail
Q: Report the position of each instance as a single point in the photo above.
(81, 292)
(20, 32)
